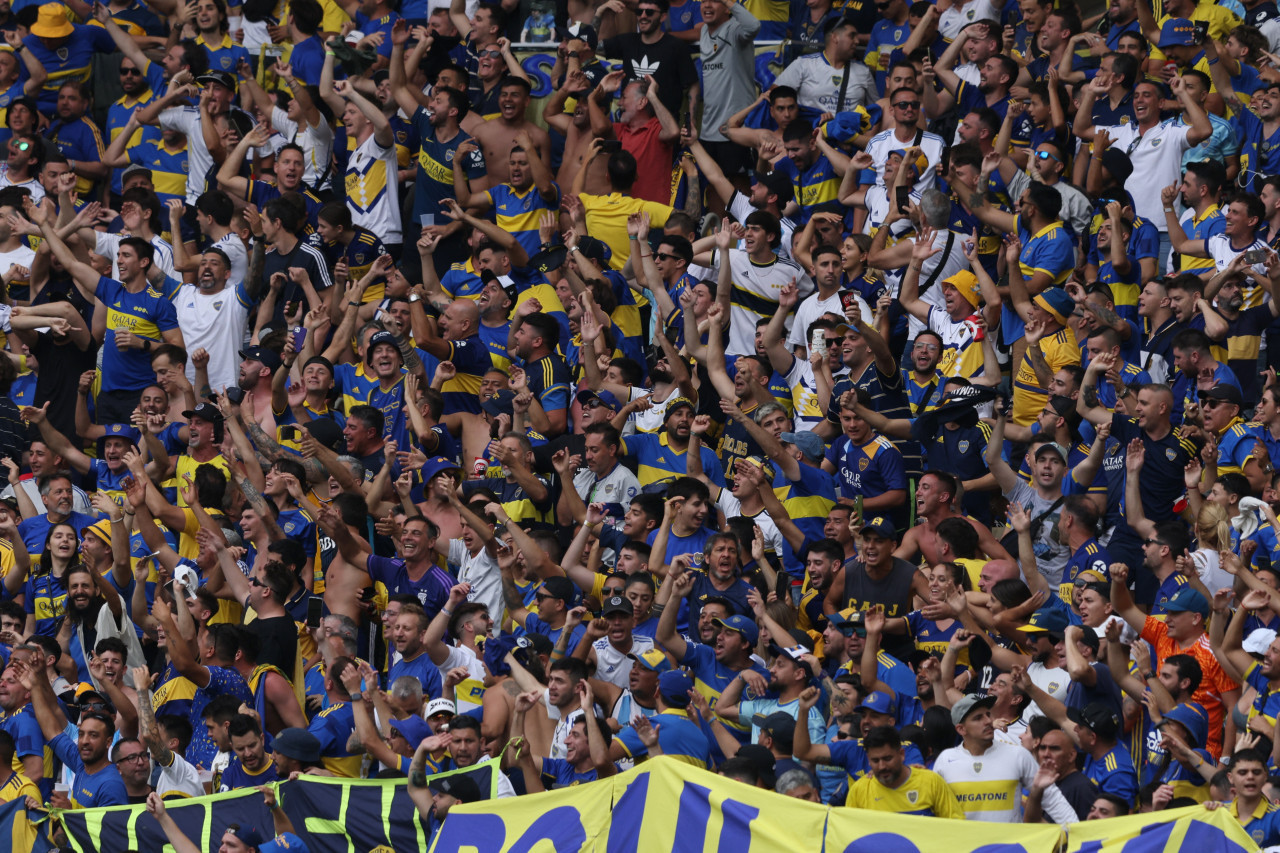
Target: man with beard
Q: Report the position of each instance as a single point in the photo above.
(716, 663)
(40, 462)
(867, 465)
(519, 200)
(792, 670)
(58, 496)
(1200, 194)
(586, 756)
(470, 624)
(461, 746)
(96, 780)
(662, 457)
(652, 50)
(250, 767)
(30, 751)
(76, 137)
(891, 786)
(212, 314)
(1245, 326)
(878, 578)
(986, 774)
(130, 757)
(639, 697)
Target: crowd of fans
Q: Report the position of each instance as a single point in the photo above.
(885, 419)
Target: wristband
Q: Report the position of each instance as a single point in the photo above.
(446, 611)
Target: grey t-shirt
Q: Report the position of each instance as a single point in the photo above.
(728, 70)
(1051, 557)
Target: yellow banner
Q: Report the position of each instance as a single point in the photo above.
(668, 805)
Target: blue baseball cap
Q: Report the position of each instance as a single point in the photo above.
(810, 443)
(436, 465)
(125, 431)
(1177, 32)
(413, 729)
(1187, 600)
(652, 660)
(1192, 717)
(607, 398)
(740, 624)
(674, 686)
(881, 702)
(1050, 620)
(881, 526)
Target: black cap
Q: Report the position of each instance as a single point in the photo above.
(551, 258)
(586, 32)
(1225, 392)
(268, 357)
(617, 604)
(377, 339)
(1118, 164)
(205, 412)
(563, 589)
(500, 403)
(223, 78)
(1098, 716)
(325, 430)
(596, 250)
(459, 786)
(779, 184)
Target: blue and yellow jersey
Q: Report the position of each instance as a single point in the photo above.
(1090, 556)
(518, 213)
(70, 60)
(472, 360)
(773, 16)
(1114, 773)
(711, 677)
(818, 184)
(45, 600)
(1050, 250)
(1263, 826)
(678, 736)
(170, 168)
(923, 792)
(549, 382)
(28, 739)
(224, 55)
(1202, 227)
(147, 314)
(1235, 446)
(78, 140)
(406, 141)
(1124, 288)
(807, 500)
(462, 281)
(435, 167)
(659, 461)
(354, 383)
(517, 503)
(333, 727)
(360, 253)
(19, 786)
(1028, 397)
(118, 115)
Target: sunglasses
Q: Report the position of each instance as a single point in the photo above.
(20, 146)
(592, 404)
(663, 256)
(851, 631)
(907, 105)
(846, 735)
(648, 13)
(1212, 404)
(255, 582)
(133, 72)
(1045, 155)
(542, 596)
(491, 53)
(615, 591)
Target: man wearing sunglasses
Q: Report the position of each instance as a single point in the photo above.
(21, 167)
(653, 51)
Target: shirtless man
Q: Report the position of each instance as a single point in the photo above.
(935, 501)
(497, 136)
(343, 582)
(576, 129)
(440, 504)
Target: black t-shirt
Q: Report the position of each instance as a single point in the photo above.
(61, 364)
(668, 59)
(1079, 791)
(303, 255)
(278, 641)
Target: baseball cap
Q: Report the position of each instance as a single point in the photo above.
(969, 703)
(205, 412)
(920, 163)
(653, 660)
(849, 622)
(779, 722)
(500, 403)
(606, 397)
(1118, 164)
(412, 729)
(741, 625)
(1050, 620)
(1098, 716)
(377, 339)
(795, 654)
(1258, 641)
(1177, 32)
(134, 169)
(298, 744)
(674, 686)
(808, 442)
(441, 706)
(1055, 447)
(596, 250)
(881, 526)
(561, 588)
(269, 358)
(459, 786)
(249, 836)
(125, 431)
(966, 284)
(779, 184)
(881, 702)
(762, 759)
(1225, 392)
(223, 78)
(1057, 302)
(617, 604)
(1187, 600)
(326, 431)
(586, 32)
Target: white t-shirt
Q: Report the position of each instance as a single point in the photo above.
(818, 84)
(960, 15)
(931, 145)
(758, 284)
(186, 120)
(740, 208)
(1224, 253)
(732, 508)
(316, 144)
(614, 666)
(215, 322)
(813, 308)
(473, 686)
(481, 571)
(988, 786)
(1157, 163)
(1054, 681)
(108, 245)
(237, 254)
(22, 256)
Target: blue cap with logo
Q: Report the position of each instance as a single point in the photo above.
(1192, 717)
(1177, 32)
(1050, 620)
(881, 526)
(1187, 600)
(652, 660)
(741, 625)
(881, 702)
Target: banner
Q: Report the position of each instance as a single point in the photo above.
(668, 805)
(17, 832)
(1193, 828)
(331, 815)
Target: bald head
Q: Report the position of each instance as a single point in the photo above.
(463, 318)
(996, 571)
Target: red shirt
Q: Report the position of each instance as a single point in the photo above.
(653, 160)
